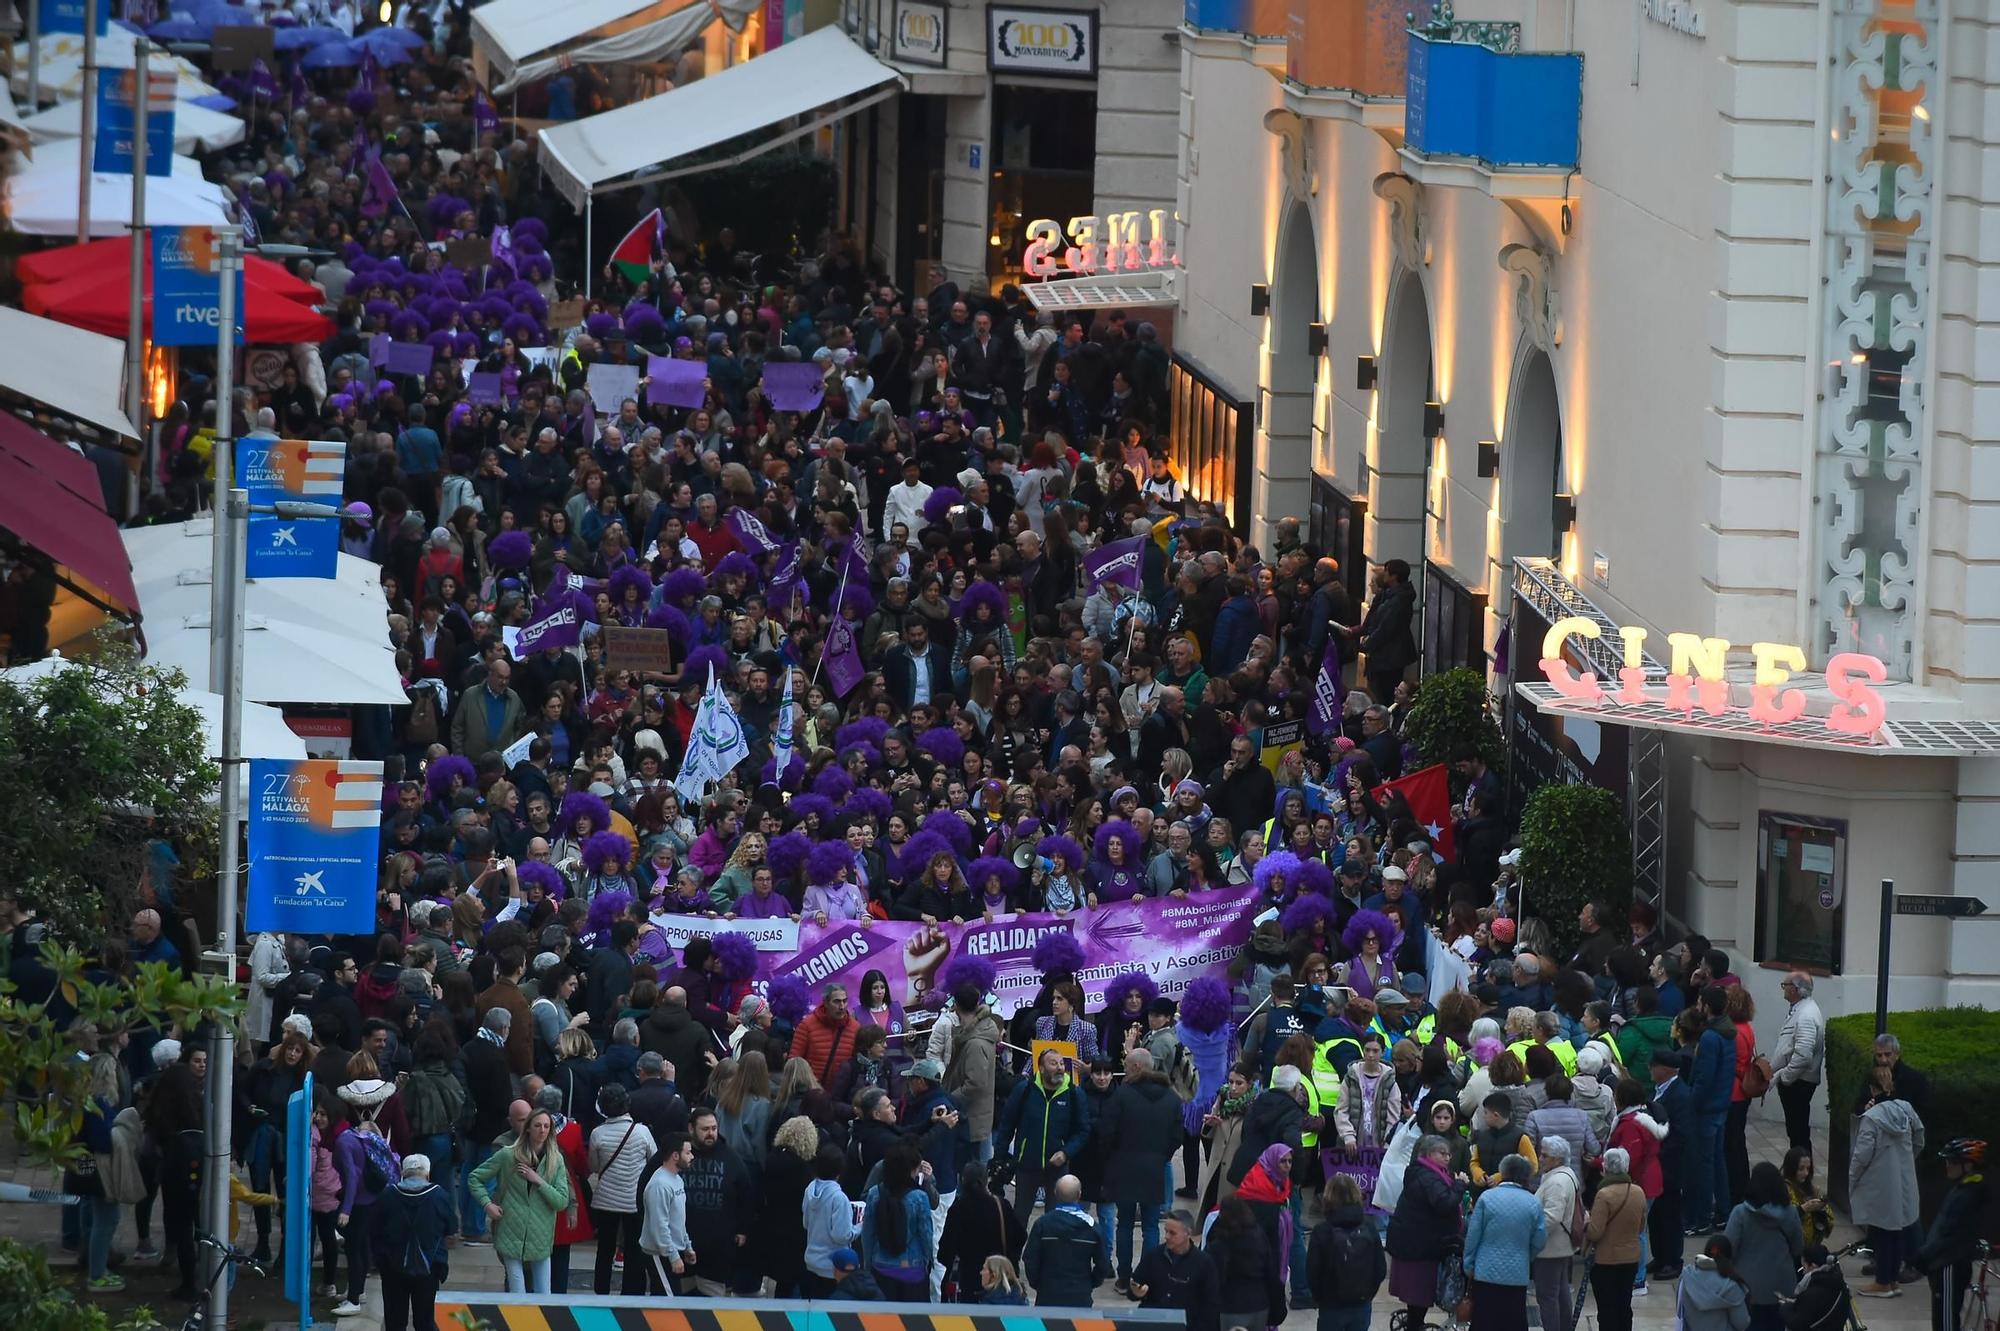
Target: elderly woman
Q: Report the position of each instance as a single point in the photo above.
(1424, 1229)
(1506, 1233)
(1560, 1193)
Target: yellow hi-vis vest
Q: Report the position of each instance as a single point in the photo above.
(1604, 1041)
(1562, 1049)
(1309, 1140)
(1326, 1073)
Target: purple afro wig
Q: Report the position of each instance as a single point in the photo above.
(523, 329)
(673, 620)
(437, 777)
(602, 848)
(695, 668)
(811, 806)
(1307, 913)
(787, 855)
(578, 803)
(630, 577)
(944, 746)
(795, 772)
(857, 601)
(1206, 1005)
(736, 564)
(738, 955)
(826, 861)
(966, 968)
(952, 828)
(1057, 954)
(868, 730)
(642, 324)
(941, 502)
(868, 802)
(606, 909)
(1315, 877)
(988, 867)
(920, 850)
(683, 587)
(1117, 829)
(1061, 848)
(1278, 865)
(1126, 984)
(834, 784)
(601, 325)
(1366, 922)
(532, 226)
(983, 593)
(790, 998)
(544, 874)
(861, 749)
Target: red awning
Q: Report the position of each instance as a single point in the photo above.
(50, 500)
(88, 286)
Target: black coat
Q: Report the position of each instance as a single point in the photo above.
(1426, 1221)
(1385, 629)
(721, 1203)
(410, 1229)
(1142, 1128)
(781, 1234)
(659, 1109)
(674, 1034)
(1187, 1282)
(899, 672)
(490, 1085)
(1273, 1117)
(1065, 1259)
(977, 1228)
(1246, 1273)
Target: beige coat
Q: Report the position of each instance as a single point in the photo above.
(1616, 1221)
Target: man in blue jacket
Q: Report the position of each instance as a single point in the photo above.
(1711, 1078)
(1671, 1106)
(1044, 1127)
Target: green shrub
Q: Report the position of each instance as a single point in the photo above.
(1450, 712)
(1575, 848)
(1951, 1047)
(36, 1300)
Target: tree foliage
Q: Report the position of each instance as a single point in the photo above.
(96, 758)
(1450, 712)
(37, 1301)
(1575, 847)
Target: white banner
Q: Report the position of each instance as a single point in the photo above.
(779, 935)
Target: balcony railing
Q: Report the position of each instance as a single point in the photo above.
(1473, 93)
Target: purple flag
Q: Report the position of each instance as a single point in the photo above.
(483, 388)
(379, 190)
(589, 422)
(560, 624)
(485, 116)
(296, 92)
(408, 358)
(677, 383)
(785, 579)
(1122, 562)
(751, 532)
(794, 387)
(262, 82)
(503, 245)
(1328, 692)
(843, 659)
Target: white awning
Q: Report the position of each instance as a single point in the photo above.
(655, 40)
(71, 371)
(196, 128)
(1136, 291)
(817, 71)
(62, 63)
(507, 33)
(41, 199)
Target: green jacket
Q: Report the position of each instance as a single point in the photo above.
(1040, 1121)
(526, 1229)
(1639, 1037)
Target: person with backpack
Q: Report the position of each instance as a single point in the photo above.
(434, 1098)
(1822, 1301)
(368, 1167)
(411, 1222)
(1345, 1264)
(1560, 1192)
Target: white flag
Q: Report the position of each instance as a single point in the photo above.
(715, 745)
(781, 738)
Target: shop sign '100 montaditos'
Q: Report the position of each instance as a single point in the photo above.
(1698, 677)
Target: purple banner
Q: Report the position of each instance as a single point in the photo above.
(751, 532)
(408, 358)
(481, 389)
(1328, 692)
(560, 625)
(677, 383)
(843, 660)
(378, 349)
(1172, 941)
(1122, 562)
(794, 387)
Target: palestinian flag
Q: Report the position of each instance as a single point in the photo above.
(633, 255)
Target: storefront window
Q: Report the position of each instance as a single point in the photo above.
(1336, 527)
(1044, 165)
(1801, 890)
(1454, 623)
(1208, 441)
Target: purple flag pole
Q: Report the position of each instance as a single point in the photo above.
(837, 598)
(1328, 693)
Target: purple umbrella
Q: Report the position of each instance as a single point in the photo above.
(333, 55)
(302, 39)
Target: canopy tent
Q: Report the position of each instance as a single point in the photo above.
(89, 286)
(285, 662)
(41, 199)
(608, 151)
(196, 128)
(71, 371)
(174, 581)
(61, 74)
(520, 41)
(50, 499)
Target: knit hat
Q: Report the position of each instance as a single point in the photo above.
(1502, 930)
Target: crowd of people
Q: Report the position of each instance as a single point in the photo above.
(516, 1057)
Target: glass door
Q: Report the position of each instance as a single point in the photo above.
(1801, 890)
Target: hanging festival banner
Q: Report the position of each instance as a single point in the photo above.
(315, 833)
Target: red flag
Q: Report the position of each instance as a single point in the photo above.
(1428, 794)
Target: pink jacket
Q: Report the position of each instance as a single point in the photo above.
(325, 1178)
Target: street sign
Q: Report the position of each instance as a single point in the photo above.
(118, 121)
(187, 288)
(70, 16)
(1909, 903)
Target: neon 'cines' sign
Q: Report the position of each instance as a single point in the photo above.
(1129, 242)
(1698, 677)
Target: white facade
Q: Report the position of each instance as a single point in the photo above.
(1689, 359)
(1133, 109)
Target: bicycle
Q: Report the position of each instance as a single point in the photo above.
(197, 1318)
(1977, 1310)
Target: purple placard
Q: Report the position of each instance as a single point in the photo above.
(378, 349)
(677, 383)
(483, 389)
(843, 660)
(794, 387)
(408, 358)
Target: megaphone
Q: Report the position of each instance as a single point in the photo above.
(1024, 855)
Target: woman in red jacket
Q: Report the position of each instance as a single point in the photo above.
(1639, 1134)
(572, 1225)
